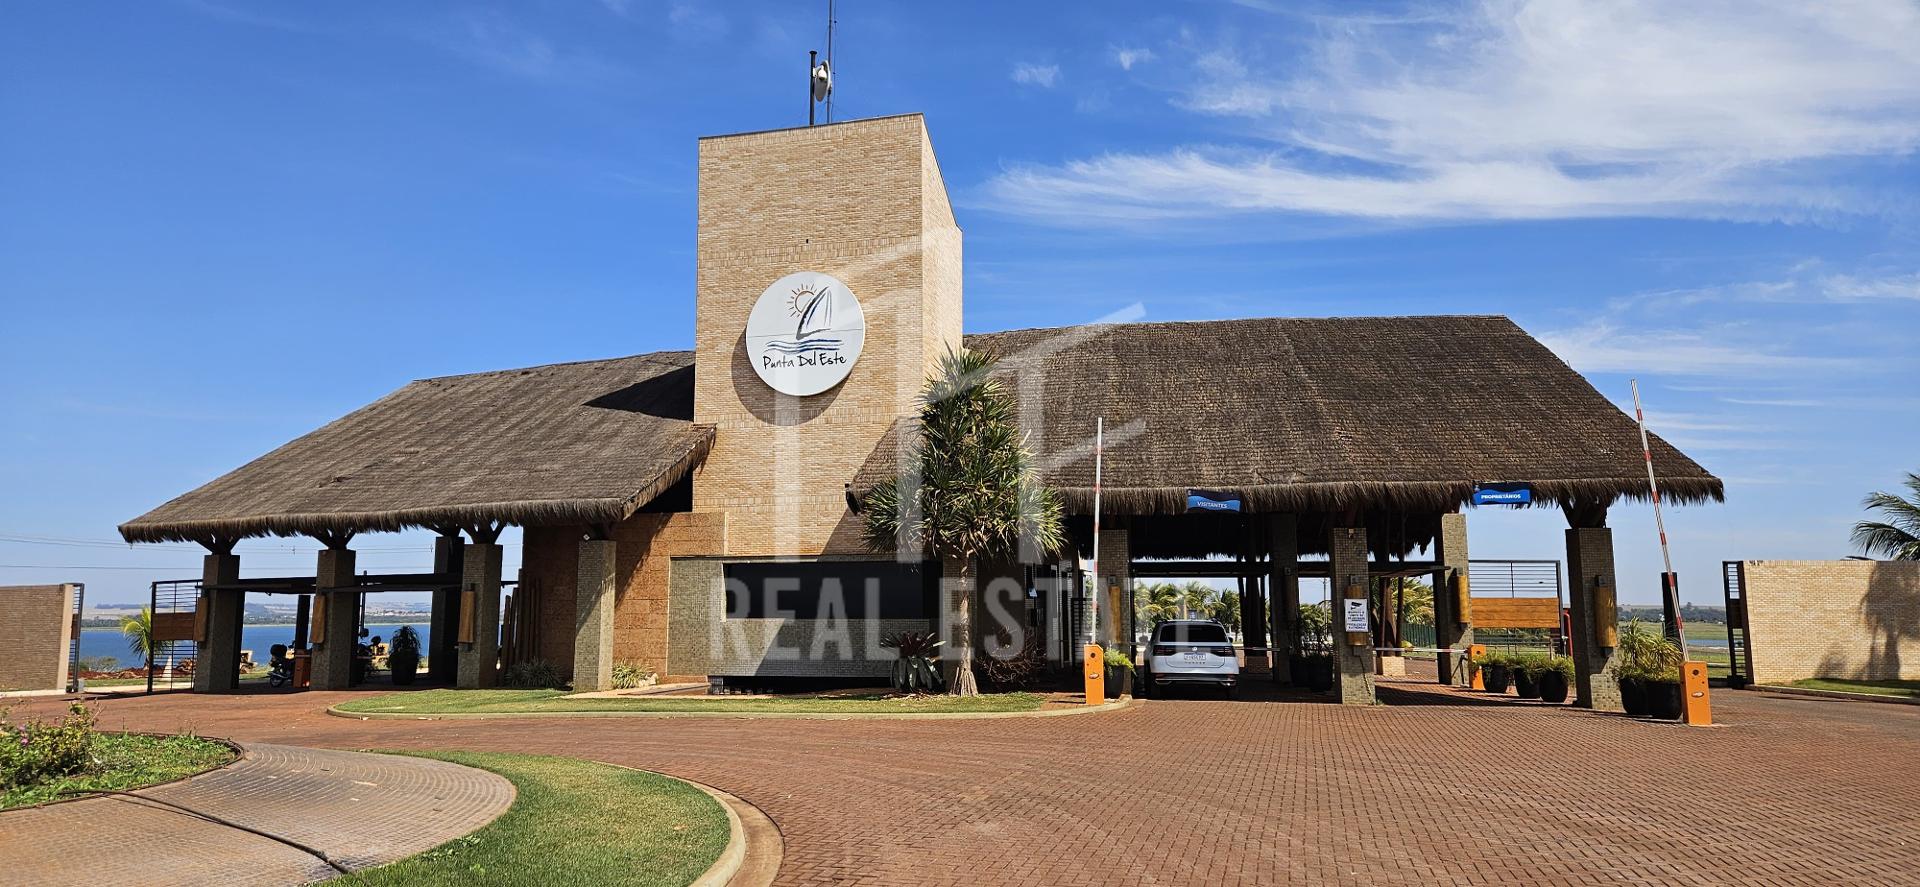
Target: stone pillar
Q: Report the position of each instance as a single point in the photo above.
(1115, 559)
(1449, 629)
(593, 602)
(443, 628)
(1283, 592)
(480, 577)
(216, 668)
(333, 655)
(1348, 562)
(1590, 559)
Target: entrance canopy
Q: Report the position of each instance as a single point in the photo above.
(580, 443)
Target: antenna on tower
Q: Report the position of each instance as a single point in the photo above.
(820, 74)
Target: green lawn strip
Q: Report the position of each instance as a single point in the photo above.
(436, 702)
(572, 822)
(127, 761)
(1908, 689)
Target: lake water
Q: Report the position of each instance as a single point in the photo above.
(96, 642)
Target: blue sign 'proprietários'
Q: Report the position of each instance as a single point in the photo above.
(1513, 493)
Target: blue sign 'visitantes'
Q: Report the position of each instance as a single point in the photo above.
(1511, 493)
(1212, 500)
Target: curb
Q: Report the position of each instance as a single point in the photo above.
(1117, 705)
(754, 848)
(1836, 695)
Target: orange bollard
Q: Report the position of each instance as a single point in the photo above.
(1096, 668)
(1475, 651)
(1694, 699)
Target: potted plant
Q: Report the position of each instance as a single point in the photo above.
(1526, 672)
(1647, 666)
(1119, 675)
(403, 654)
(1554, 679)
(1496, 671)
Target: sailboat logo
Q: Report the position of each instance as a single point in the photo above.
(814, 307)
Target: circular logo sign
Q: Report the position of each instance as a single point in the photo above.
(805, 333)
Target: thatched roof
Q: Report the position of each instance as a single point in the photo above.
(1399, 414)
(577, 443)
(1321, 415)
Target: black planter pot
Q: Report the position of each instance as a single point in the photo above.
(1497, 678)
(1633, 697)
(1553, 687)
(1119, 682)
(403, 672)
(1297, 671)
(1664, 701)
(1524, 685)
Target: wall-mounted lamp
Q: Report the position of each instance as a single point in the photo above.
(1606, 615)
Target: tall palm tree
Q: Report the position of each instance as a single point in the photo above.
(138, 630)
(1157, 601)
(1197, 600)
(1898, 537)
(975, 494)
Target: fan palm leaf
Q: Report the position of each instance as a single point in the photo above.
(1897, 537)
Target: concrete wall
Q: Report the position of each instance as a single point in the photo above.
(1856, 620)
(864, 202)
(36, 627)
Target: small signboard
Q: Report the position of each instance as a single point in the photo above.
(1509, 493)
(1212, 500)
(1356, 615)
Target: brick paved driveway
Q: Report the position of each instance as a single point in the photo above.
(1432, 790)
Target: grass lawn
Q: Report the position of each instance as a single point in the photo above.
(437, 702)
(128, 761)
(1908, 689)
(574, 823)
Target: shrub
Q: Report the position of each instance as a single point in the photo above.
(630, 676)
(914, 671)
(1647, 655)
(1025, 670)
(533, 674)
(1118, 660)
(37, 751)
(1561, 664)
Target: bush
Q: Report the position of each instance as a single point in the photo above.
(533, 674)
(1025, 670)
(1646, 655)
(630, 676)
(405, 647)
(1117, 660)
(37, 752)
(914, 671)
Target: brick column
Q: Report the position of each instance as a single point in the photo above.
(333, 655)
(217, 665)
(1590, 558)
(1283, 592)
(593, 602)
(1116, 567)
(443, 627)
(1353, 666)
(1450, 553)
(480, 660)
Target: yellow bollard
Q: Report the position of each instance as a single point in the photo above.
(1096, 666)
(1475, 651)
(1694, 699)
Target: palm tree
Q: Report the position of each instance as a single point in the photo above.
(1898, 537)
(1197, 600)
(1156, 601)
(975, 494)
(138, 630)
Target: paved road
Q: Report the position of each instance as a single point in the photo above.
(1437, 788)
(360, 810)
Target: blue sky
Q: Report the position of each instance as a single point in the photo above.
(227, 223)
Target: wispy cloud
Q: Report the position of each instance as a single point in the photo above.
(1532, 109)
(1044, 76)
(496, 41)
(1607, 347)
(1128, 56)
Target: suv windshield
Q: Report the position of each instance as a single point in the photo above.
(1191, 633)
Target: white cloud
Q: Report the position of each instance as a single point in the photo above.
(1602, 346)
(1044, 76)
(498, 42)
(1128, 56)
(1530, 109)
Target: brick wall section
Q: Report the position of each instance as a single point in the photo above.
(645, 545)
(1450, 552)
(36, 627)
(862, 201)
(1854, 620)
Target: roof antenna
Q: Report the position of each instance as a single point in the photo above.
(820, 74)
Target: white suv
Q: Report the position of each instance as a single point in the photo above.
(1191, 651)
